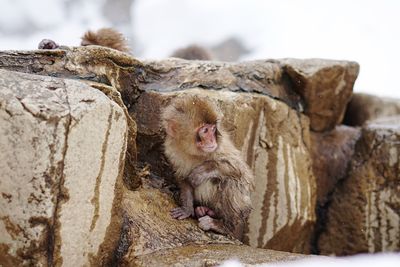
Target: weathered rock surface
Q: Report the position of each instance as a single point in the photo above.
(364, 215)
(326, 87)
(148, 227)
(332, 152)
(321, 87)
(274, 140)
(213, 255)
(62, 149)
(364, 107)
(113, 72)
(150, 237)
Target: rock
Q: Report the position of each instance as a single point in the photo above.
(150, 237)
(62, 149)
(364, 107)
(326, 87)
(113, 72)
(148, 227)
(321, 88)
(332, 152)
(267, 123)
(274, 140)
(213, 255)
(364, 215)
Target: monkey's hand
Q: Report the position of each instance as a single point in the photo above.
(202, 211)
(181, 213)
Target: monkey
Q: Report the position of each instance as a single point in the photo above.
(214, 181)
(192, 52)
(48, 44)
(106, 37)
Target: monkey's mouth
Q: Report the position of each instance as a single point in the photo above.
(208, 148)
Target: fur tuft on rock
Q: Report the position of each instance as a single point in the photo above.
(107, 37)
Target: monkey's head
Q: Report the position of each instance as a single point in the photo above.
(191, 123)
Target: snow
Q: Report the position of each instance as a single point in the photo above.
(365, 31)
(366, 260)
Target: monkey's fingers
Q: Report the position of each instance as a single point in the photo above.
(211, 213)
(179, 213)
(201, 211)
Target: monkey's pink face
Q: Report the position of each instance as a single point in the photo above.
(206, 138)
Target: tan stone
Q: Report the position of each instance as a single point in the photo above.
(111, 71)
(148, 226)
(213, 255)
(274, 140)
(365, 212)
(326, 87)
(321, 88)
(364, 107)
(332, 152)
(62, 149)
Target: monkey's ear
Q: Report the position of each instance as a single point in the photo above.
(171, 127)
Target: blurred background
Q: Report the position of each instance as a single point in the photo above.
(366, 31)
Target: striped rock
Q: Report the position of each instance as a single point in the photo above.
(365, 212)
(62, 148)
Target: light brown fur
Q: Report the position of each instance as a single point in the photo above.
(220, 180)
(107, 37)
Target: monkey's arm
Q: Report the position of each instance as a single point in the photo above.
(213, 169)
(186, 197)
(206, 170)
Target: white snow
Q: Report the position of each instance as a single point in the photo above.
(366, 31)
(370, 260)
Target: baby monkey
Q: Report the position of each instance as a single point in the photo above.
(214, 180)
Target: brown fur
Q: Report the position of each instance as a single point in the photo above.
(107, 37)
(220, 180)
(192, 52)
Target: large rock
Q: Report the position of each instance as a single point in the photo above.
(364, 107)
(321, 88)
(274, 140)
(364, 215)
(325, 85)
(62, 149)
(148, 227)
(111, 71)
(150, 237)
